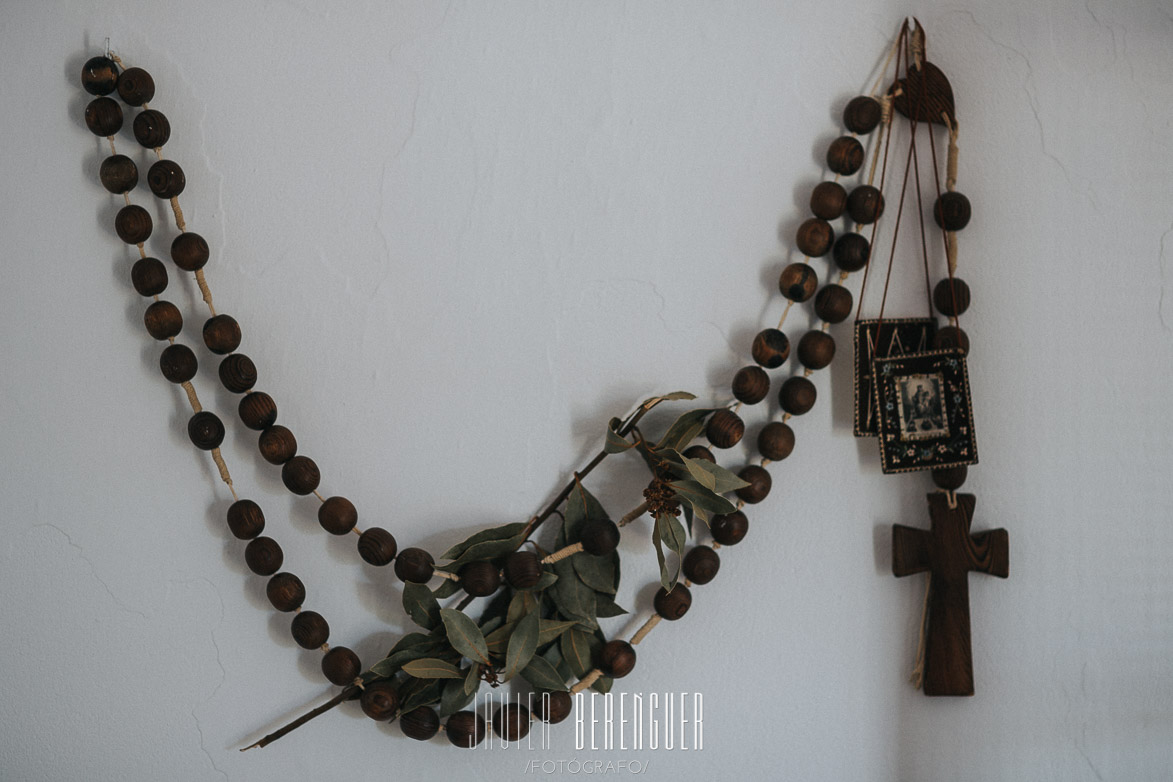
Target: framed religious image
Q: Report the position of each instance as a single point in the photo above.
(924, 412)
(896, 337)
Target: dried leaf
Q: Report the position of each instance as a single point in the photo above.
(551, 629)
(602, 684)
(498, 640)
(615, 442)
(606, 607)
(432, 668)
(504, 532)
(521, 604)
(472, 680)
(447, 588)
(421, 606)
(581, 506)
(579, 648)
(670, 533)
(684, 429)
(522, 644)
(596, 572)
(543, 676)
(464, 635)
(454, 698)
(573, 598)
(420, 692)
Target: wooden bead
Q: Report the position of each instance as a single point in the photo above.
(480, 579)
(862, 114)
(759, 482)
(103, 116)
(952, 211)
(511, 722)
(341, 666)
(166, 179)
(776, 441)
(414, 565)
(729, 529)
(701, 564)
(700, 452)
(599, 537)
(263, 556)
(465, 729)
(301, 475)
(257, 410)
(828, 200)
(190, 251)
(816, 349)
(148, 276)
(245, 519)
(951, 296)
(553, 707)
(133, 224)
(672, 605)
(865, 204)
(771, 348)
(277, 444)
(136, 87)
(163, 320)
(797, 395)
(99, 76)
(206, 430)
(238, 373)
(814, 238)
(798, 282)
(833, 303)
(950, 478)
(951, 338)
(751, 385)
(178, 363)
(118, 174)
(379, 701)
(310, 630)
(523, 569)
(377, 546)
(337, 515)
(851, 252)
(617, 659)
(421, 723)
(151, 129)
(285, 591)
(221, 334)
(845, 155)
(725, 429)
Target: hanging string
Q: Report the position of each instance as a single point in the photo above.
(952, 264)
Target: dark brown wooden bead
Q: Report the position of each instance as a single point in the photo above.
(341, 666)
(136, 87)
(377, 546)
(851, 252)
(759, 482)
(951, 296)
(379, 701)
(700, 452)
(617, 659)
(337, 515)
(725, 429)
(480, 579)
(104, 116)
(166, 179)
(862, 114)
(672, 605)
(206, 430)
(178, 363)
(952, 211)
(245, 519)
(133, 224)
(771, 348)
(951, 338)
(257, 410)
(163, 320)
(511, 722)
(119, 174)
(553, 707)
(421, 723)
(148, 276)
(300, 475)
(414, 565)
(776, 441)
(833, 303)
(523, 569)
(729, 529)
(465, 729)
(865, 204)
(151, 129)
(277, 444)
(797, 395)
(845, 155)
(190, 251)
(221, 334)
(238, 373)
(798, 282)
(285, 591)
(263, 556)
(828, 200)
(701, 564)
(816, 349)
(814, 238)
(751, 385)
(310, 630)
(99, 76)
(599, 536)
(950, 478)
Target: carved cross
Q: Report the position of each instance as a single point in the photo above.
(949, 552)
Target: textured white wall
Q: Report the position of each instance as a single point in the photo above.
(459, 237)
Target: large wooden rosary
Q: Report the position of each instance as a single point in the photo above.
(542, 602)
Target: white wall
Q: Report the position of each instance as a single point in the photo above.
(459, 237)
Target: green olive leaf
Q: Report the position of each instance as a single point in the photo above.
(522, 603)
(551, 629)
(615, 442)
(454, 698)
(464, 635)
(498, 640)
(605, 607)
(543, 676)
(573, 598)
(432, 668)
(670, 533)
(504, 532)
(421, 605)
(602, 684)
(581, 506)
(596, 572)
(472, 680)
(523, 642)
(546, 581)
(685, 429)
(704, 503)
(447, 588)
(506, 539)
(579, 649)
(419, 692)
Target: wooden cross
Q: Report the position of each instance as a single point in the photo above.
(949, 552)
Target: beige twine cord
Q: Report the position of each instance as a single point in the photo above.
(562, 554)
(205, 291)
(191, 395)
(586, 681)
(648, 626)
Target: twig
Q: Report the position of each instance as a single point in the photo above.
(347, 693)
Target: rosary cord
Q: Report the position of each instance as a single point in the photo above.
(949, 237)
